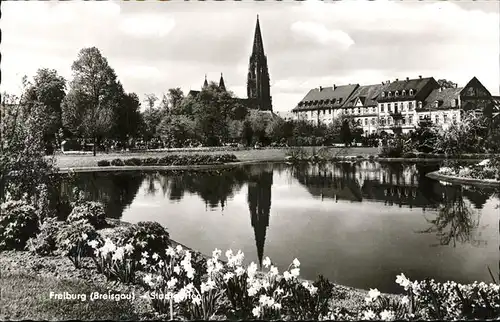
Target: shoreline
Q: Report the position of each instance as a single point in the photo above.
(485, 183)
(88, 163)
(56, 273)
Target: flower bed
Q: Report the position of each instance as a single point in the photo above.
(169, 160)
(488, 169)
(181, 284)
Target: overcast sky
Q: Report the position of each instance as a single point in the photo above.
(154, 46)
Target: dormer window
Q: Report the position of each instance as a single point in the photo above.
(383, 94)
(403, 93)
(419, 104)
(301, 103)
(340, 100)
(411, 92)
(396, 94)
(333, 100)
(389, 94)
(436, 103)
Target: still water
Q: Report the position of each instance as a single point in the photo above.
(357, 224)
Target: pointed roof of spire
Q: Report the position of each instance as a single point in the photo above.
(258, 45)
(205, 83)
(221, 83)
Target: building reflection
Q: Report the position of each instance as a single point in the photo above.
(259, 204)
(394, 184)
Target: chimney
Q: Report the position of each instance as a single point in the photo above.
(407, 78)
(388, 82)
(383, 83)
(334, 87)
(397, 79)
(420, 76)
(456, 85)
(320, 88)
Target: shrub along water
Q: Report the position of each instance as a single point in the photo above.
(192, 159)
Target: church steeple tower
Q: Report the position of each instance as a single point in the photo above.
(258, 84)
(222, 86)
(205, 83)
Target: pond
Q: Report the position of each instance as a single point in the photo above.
(358, 224)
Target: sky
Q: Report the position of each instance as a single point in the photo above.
(154, 46)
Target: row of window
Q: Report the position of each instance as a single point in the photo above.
(397, 93)
(321, 102)
(394, 107)
(383, 121)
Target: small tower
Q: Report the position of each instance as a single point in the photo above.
(222, 86)
(205, 83)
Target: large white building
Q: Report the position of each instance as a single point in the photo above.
(400, 104)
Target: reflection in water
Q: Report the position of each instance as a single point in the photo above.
(214, 187)
(115, 190)
(366, 188)
(456, 221)
(259, 204)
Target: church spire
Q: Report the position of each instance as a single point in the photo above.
(222, 86)
(205, 83)
(258, 44)
(258, 82)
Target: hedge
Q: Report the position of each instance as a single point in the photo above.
(193, 159)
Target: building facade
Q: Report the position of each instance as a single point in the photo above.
(394, 106)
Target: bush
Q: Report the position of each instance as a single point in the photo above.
(91, 211)
(75, 239)
(45, 243)
(144, 236)
(133, 162)
(103, 163)
(150, 161)
(18, 223)
(117, 163)
(391, 152)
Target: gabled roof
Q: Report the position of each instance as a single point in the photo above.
(479, 89)
(366, 94)
(417, 85)
(339, 94)
(445, 97)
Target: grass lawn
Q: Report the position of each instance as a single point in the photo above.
(26, 297)
(74, 161)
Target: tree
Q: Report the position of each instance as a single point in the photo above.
(345, 133)
(175, 97)
(151, 118)
(247, 133)
(23, 166)
(95, 94)
(164, 105)
(150, 100)
(128, 117)
(446, 83)
(211, 110)
(47, 89)
(176, 130)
